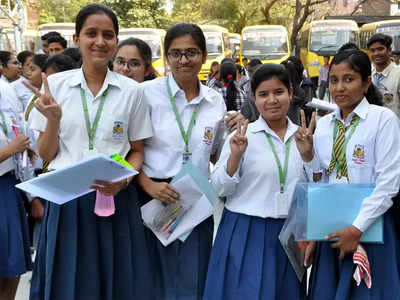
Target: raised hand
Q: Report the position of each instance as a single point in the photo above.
(46, 103)
(304, 137)
(238, 141)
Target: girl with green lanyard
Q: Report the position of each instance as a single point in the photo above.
(79, 113)
(187, 119)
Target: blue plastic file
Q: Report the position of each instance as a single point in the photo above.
(324, 208)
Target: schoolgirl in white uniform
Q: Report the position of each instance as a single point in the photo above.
(369, 137)
(257, 173)
(175, 100)
(14, 235)
(82, 112)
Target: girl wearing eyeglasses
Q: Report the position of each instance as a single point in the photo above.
(133, 59)
(181, 267)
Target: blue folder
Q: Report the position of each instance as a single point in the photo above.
(324, 208)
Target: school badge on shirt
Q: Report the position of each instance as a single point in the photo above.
(208, 135)
(118, 130)
(358, 154)
(388, 97)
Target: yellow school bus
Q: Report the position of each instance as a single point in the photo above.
(234, 44)
(389, 27)
(268, 43)
(324, 38)
(154, 38)
(217, 47)
(67, 30)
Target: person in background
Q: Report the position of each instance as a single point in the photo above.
(57, 44)
(234, 97)
(75, 54)
(385, 74)
(248, 260)
(323, 78)
(133, 59)
(213, 76)
(245, 62)
(10, 67)
(59, 63)
(396, 57)
(25, 58)
(44, 38)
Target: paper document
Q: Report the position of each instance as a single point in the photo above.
(321, 104)
(66, 184)
(198, 207)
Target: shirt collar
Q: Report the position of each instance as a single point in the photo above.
(261, 125)
(361, 110)
(385, 71)
(4, 79)
(79, 79)
(204, 92)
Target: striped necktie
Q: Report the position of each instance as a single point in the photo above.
(338, 148)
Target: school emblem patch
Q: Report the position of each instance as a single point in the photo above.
(208, 135)
(118, 129)
(358, 154)
(388, 97)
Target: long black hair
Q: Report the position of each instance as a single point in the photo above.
(359, 62)
(94, 9)
(227, 75)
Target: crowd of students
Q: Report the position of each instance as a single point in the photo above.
(63, 108)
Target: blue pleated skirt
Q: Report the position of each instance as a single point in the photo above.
(248, 261)
(85, 257)
(181, 267)
(15, 258)
(332, 279)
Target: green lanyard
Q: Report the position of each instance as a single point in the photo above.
(341, 159)
(3, 123)
(91, 130)
(185, 135)
(282, 172)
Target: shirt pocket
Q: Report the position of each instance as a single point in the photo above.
(113, 128)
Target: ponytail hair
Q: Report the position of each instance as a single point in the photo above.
(359, 62)
(228, 77)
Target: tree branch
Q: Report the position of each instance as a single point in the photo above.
(266, 11)
(361, 2)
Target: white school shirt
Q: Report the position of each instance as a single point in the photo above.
(163, 152)
(23, 93)
(8, 94)
(252, 189)
(389, 86)
(8, 164)
(372, 155)
(125, 116)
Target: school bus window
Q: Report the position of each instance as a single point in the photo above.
(271, 44)
(214, 43)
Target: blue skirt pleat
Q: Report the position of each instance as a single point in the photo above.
(82, 256)
(248, 261)
(333, 279)
(15, 258)
(181, 267)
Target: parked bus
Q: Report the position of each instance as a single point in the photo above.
(268, 43)
(154, 38)
(218, 48)
(324, 38)
(67, 30)
(391, 27)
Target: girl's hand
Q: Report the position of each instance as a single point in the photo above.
(46, 103)
(162, 191)
(348, 240)
(238, 141)
(19, 144)
(304, 138)
(108, 188)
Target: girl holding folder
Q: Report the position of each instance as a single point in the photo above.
(187, 120)
(257, 173)
(359, 142)
(82, 112)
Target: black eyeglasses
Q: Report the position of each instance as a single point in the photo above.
(190, 54)
(132, 64)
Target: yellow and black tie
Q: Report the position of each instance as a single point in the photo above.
(338, 148)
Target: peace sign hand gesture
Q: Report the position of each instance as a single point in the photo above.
(46, 103)
(238, 141)
(304, 138)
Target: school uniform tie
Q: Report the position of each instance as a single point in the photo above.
(339, 145)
